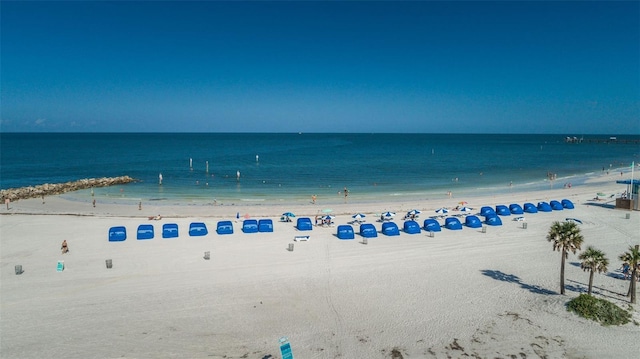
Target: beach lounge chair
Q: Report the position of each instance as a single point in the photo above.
(169, 230)
(224, 227)
(117, 234)
(431, 225)
(411, 227)
(390, 229)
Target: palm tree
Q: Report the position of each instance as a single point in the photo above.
(565, 237)
(633, 258)
(593, 260)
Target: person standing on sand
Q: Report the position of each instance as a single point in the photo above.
(7, 201)
(94, 203)
(346, 193)
(313, 199)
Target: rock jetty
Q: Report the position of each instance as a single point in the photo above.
(49, 189)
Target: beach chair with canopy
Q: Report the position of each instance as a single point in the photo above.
(265, 225)
(472, 222)
(224, 227)
(145, 231)
(502, 210)
(530, 208)
(304, 224)
(544, 207)
(345, 231)
(556, 206)
(368, 230)
(453, 223)
(117, 234)
(197, 229)
(390, 229)
(250, 226)
(431, 225)
(411, 227)
(567, 204)
(515, 208)
(493, 220)
(486, 210)
(170, 230)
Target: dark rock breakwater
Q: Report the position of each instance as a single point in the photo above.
(49, 189)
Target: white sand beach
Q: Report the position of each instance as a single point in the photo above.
(459, 294)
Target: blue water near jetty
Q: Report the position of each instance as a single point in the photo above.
(291, 167)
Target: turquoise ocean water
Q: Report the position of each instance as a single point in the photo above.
(292, 167)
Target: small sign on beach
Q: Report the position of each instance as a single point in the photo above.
(285, 348)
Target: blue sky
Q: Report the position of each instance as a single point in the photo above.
(442, 67)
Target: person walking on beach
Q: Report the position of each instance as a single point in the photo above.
(94, 203)
(313, 199)
(7, 201)
(346, 193)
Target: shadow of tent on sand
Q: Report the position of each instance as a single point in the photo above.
(498, 275)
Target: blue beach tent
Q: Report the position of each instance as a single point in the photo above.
(530, 208)
(368, 230)
(117, 234)
(169, 230)
(502, 210)
(556, 206)
(250, 226)
(197, 229)
(411, 227)
(431, 225)
(472, 222)
(265, 225)
(345, 231)
(493, 220)
(224, 227)
(145, 231)
(390, 229)
(486, 210)
(515, 208)
(304, 224)
(567, 204)
(453, 223)
(544, 207)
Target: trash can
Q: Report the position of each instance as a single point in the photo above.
(109, 263)
(484, 229)
(290, 247)
(365, 240)
(18, 269)
(432, 234)
(207, 255)
(627, 216)
(524, 225)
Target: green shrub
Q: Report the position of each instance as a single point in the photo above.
(600, 310)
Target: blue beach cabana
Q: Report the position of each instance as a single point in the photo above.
(530, 208)
(390, 229)
(486, 210)
(502, 210)
(556, 206)
(411, 227)
(544, 207)
(431, 225)
(145, 231)
(224, 227)
(304, 224)
(453, 223)
(515, 208)
(265, 225)
(567, 204)
(345, 231)
(169, 230)
(197, 229)
(472, 222)
(493, 220)
(250, 226)
(368, 230)
(117, 234)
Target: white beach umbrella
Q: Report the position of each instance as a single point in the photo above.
(442, 210)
